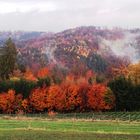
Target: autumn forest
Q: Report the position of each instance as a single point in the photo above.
(77, 70)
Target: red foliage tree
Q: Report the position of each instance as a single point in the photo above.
(10, 102)
(98, 96)
(53, 97)
(38, 99)
(26, 106)
(69, 97)
(28, 75)
(42, 73)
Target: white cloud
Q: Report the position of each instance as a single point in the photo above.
(57, 15)
(11, 7)
(108, 11)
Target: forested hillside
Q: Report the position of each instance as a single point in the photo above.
(80, 69)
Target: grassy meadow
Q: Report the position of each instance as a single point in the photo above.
(37, 128)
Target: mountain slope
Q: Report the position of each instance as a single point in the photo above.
(88, 47)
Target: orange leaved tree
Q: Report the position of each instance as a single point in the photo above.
(38, 99)
(10, 102)
(69, 97)
(28, 75)
(53, 97)
(100, 98)
(42, 73)
(26, 106)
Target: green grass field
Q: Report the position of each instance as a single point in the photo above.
(66, 129)
(47, 135)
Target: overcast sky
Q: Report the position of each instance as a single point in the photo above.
(57, 15)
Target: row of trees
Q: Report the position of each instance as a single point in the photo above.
(66, 97)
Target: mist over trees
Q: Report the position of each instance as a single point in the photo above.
(76, 75)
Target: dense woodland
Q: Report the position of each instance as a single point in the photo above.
(80, 83)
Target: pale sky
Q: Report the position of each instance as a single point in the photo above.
(57, 15)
